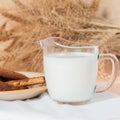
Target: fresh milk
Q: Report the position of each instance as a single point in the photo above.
(71, 76)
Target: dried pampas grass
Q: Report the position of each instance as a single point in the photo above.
(72, 19)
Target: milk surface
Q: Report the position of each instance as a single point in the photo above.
(71, 76)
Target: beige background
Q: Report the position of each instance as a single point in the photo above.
(108, 8)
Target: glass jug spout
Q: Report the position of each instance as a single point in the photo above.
(41, 43)
(52, 44)
(47, 42)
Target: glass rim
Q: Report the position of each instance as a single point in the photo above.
(81, 44)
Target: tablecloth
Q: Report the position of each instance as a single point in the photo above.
(103, 106)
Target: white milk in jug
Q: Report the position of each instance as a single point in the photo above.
(71, 76)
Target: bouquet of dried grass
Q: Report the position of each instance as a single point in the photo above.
(72, 19)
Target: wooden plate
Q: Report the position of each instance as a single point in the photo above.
(26, 93)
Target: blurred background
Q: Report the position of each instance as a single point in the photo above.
(24, 22)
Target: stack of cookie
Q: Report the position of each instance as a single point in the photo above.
(11, 80)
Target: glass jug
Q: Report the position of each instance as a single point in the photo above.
(71, 68)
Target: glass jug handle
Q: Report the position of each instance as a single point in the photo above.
(115, 69)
